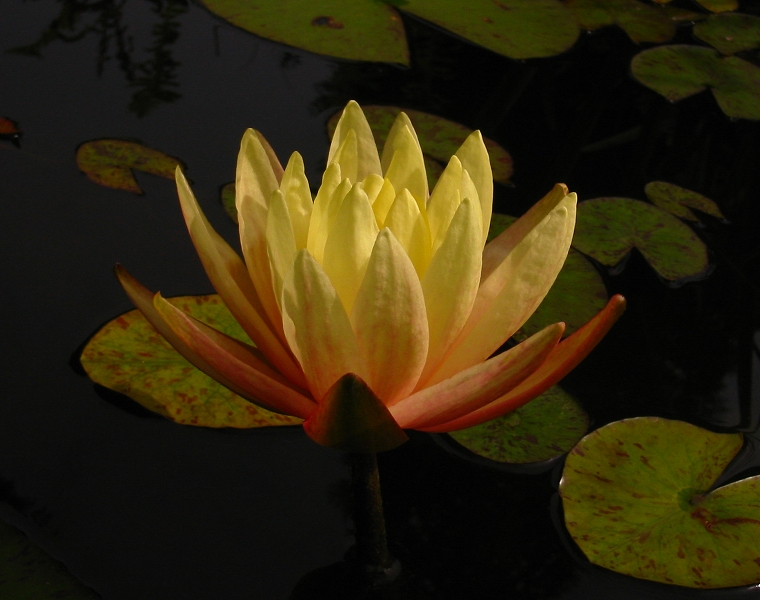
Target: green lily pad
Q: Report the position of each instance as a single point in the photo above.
(110, 163)
(642, 22)
(227, 197)
(677, 200)
(128, 355)
(682, 15)
(730, 33)
(515, 28)
(354, 29)
(680, 71)
(719, 6)
(28, 573)
(608, 228)
(544, 428)
(577, 295)
(637, 500)
(439, 137)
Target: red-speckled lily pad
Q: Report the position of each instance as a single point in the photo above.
(637, 500)
(110, 163)
(608, 228)
(545, 428)
(577, 295)
(354, 29)
(642, 22)
(680, 71)
(730, 33)
(128, 355)
(677, 200)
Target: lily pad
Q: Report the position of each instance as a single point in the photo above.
(227, 197)
(680, 71)
(439, 137)
(110, 163)
(354, 29)
(642, 22)
(677, 200)
(730, 33)
(515, 28)
(682, 15)
(637, 500)
(28, 573)
(545, 428)
(577, 295)
(128, 355)
(719, 6)
(608, 228)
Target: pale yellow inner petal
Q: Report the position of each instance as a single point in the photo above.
(444, 201)
(367, 159)
(407, 165)
(474, 157)
(281, 242)
(295, 188)
(346, 157)
(331, 179)
(383, 202)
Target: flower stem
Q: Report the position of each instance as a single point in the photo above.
(371, 544)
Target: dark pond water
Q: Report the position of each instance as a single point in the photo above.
(140, 508)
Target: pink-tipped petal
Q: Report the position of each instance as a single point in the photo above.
(234, 361)
(475, 387)
(350, 417)
(565, 357)
(230, 278)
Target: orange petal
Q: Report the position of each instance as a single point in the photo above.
(350, 417)
(565, 357)
(235, 362)
(477, 386)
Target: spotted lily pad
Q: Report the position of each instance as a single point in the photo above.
(680, 71)
(515, 28)
(110, 163)
(637, 499)
(642, 22)
(546, 427)
(28, 573)
(608, 228)
(128, 355)
(677, 200)
(730, 33)
(577, 295)
(354, 29)
(439, 137)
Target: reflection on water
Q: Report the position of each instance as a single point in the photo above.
(154, 78)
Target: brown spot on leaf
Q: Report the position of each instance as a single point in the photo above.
(500, 5)
(487, 20)
(325, 21)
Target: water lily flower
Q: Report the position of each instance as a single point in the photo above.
(375, 306)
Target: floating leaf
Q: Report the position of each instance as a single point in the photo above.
(680, 71)
(730, 33)
(577, 295)
(227, 197)
(353, 29)
(642, 23)
(676, 200)
(515, 28)
(608, 228)
(128, 355)
(110, 163)
(718, 6)
(439, 137)
(28, 573)
(545, 428)
(637, 501)
(682, 15)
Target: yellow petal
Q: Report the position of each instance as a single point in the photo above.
(366, 159)
(317, 326)
(383, 202)
(476, 162)
(345, 156)
(409, 226)
(407, 165)
(349, 245)
(475, 387)
(444, 201)
(281, 242)
(451, 283)
(519, 267)
(295, 187)
(389, 320)
(230, 278)
(372, 185)
(315, 242)
(255, 181)
(402, 120)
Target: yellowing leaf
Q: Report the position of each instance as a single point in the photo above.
(110, 163)
(128, 355)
